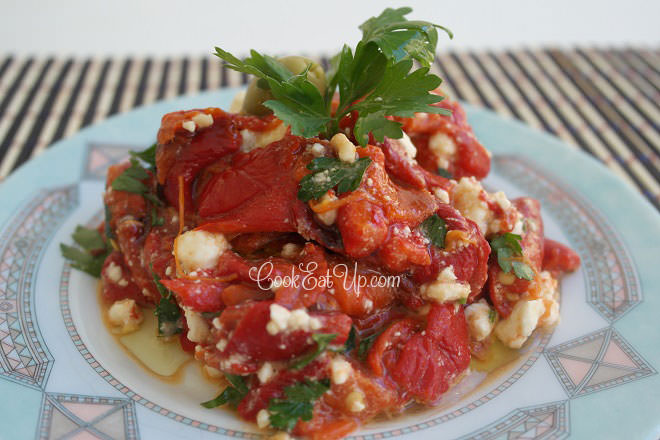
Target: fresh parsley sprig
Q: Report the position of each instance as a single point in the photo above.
(327, 173)
(131, 181)
(232, 394)
(91, 253)
(298, 405)
(435, 229)
(509, 254)
(167, 311)
(375, 79)
(322, 340)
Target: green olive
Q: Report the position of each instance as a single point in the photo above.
(256, 96)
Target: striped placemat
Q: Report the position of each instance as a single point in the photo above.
(605, 102)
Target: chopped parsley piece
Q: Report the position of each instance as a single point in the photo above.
(435, 229)
(508, 250)
(298, 404)
(167, 311)
(131, 181)
(492, 315)
(92, 253)
(365, 344)
(148, 155)
(327, 173)
(109, 235)
(156, 220)
(376, 79)
(462, 301)
(444, 173)
(232, 394)
(322, 341)
(350, 341)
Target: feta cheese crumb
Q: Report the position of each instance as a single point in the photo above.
(514, 330)
(328, 217)
(441, 195)
(343, 147)
(446, 287)
(113, 272)
(408, 147)
(122, 283)
(259, 139)
(444, 148)
(211, 372)
(290, 250)
(202, 120)
(340, 370)
(199, 249)
(501, 199)
(198, 329)
(189, 125)
(355, 401)
(317, 149)
(283, 320)
(266, 372)
(125, 316)
(263, 418)
(478, 320)
(469, 199)
(222, 344)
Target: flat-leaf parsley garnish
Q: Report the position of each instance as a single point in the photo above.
(327, 173)
(167, 311)
(90, 254)
(509, 254)
(322, 341)
(435, 229)
(131, 181)
(375, 79)
(298, 404)
(232, 394)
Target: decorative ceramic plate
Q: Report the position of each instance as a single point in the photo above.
(595, 377)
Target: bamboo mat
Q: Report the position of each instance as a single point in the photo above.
(605, 102)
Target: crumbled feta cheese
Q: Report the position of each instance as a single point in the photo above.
(125, 316)
(501, 199)
(469, 199)
(283, 320)
(263, 418)
(355, 401)
(198, 329)
(266, 372)
(280, 436)
(340, 370)
(408, 147)
(446, 287)
(328, 217)
(199, 249)
(222, 344)
(343, 147)
(113, 272)
(518, 227)
(259, 139)
(478, 320)
(548, 292)
(441, 195)
(189, 125)
(444, 148)
(290, 250)
(202, 120)
(122, 283)
(514, 330)
(317, 149)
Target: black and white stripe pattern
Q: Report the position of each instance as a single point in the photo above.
(605, 102)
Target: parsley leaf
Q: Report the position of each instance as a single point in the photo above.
(88, 239)
(350, 341)
(365, 344)
(492, 315)
(232, 394)
(399, 38)
(322, 341)
(508, 250)
(298, 405)
(109, 235)
(435, 229)
(82, 260)
(156, 220)
(328, 172)
(167, 311)
(375, 80)
(94, 251)
(131, 181)
(148, 155)
(444, 173)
